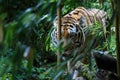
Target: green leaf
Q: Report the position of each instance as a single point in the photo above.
(28, 19)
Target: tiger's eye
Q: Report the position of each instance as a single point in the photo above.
(71, 26)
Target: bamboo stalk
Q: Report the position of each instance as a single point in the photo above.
(59, 34)
(59, 37)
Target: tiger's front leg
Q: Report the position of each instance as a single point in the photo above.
(73, 72)
(70, 69)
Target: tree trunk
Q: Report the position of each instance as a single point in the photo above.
(117, 27)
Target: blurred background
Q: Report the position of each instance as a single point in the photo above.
(26, 51)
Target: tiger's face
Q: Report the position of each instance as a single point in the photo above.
(71, 34)
(68, 30)
(68, 34)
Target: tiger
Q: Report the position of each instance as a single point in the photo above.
(73, 29)
(72, 25)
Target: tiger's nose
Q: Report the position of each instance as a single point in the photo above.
(65, 34)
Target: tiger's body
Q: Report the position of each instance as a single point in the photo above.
(73, 33)
(72, 25)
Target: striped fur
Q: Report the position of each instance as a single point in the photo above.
(72, 26)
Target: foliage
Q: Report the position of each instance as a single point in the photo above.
(26, 51)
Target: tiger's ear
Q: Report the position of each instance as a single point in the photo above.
(82, 21)
(55, 23)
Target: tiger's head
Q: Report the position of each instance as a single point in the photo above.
(72, 34)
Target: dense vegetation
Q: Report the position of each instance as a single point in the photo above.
(26, 52)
